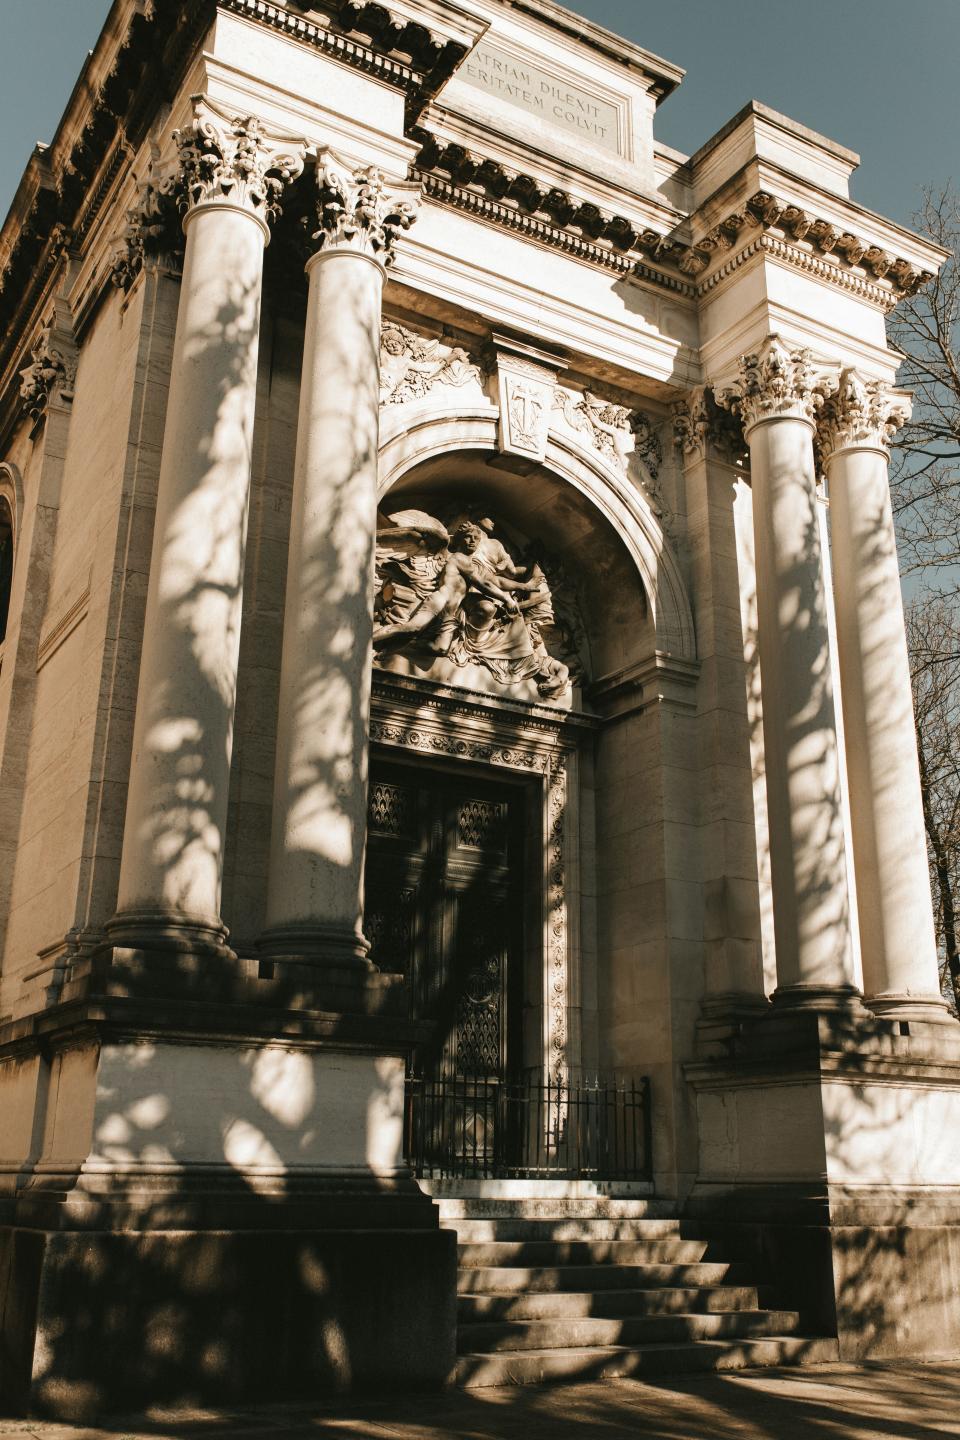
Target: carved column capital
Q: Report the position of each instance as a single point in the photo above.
(234, 160)
(152, 229)
(699, 422)
(776, 383)
(357, 211)
(863, 413)
(53, 366)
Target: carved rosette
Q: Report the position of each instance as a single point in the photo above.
(699, 422)
(51, 373)
(776, 383)
(357, 211)
(863, 413)
(234, 160)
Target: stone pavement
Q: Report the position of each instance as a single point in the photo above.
(831, 1402)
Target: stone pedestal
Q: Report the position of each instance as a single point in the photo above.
(830, 1155)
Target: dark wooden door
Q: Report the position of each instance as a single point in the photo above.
(444, 888)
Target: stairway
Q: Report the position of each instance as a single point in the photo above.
(598, 1288)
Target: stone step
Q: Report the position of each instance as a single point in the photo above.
(562, 1227)
(536, 1367)
(518, 1279)
(547, 1207)
(581, 1252)
(584, 1304)
(589, 1333)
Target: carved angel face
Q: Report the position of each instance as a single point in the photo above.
(392, 342)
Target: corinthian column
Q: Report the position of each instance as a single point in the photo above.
(886, 811)
(230, 179)
(318, 839)
(777, 398)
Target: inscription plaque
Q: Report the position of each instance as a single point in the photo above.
(546, 95)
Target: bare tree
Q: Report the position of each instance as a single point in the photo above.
(926, 459)
(926, 496)
(934, 640)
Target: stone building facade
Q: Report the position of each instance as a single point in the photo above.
(428, 650)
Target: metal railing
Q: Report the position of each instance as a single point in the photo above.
(482, 1127)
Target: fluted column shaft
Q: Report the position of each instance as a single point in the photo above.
(172, 858)
(318, 838)
(889, 841)
(777, 399)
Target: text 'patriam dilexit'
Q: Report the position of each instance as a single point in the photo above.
(548, 96)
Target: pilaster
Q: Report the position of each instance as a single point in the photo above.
(710, 444)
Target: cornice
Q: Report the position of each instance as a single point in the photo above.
(850, 281)
(387, 33)
(802, 238)
(134, 71)
(556, 217)
(518, 201)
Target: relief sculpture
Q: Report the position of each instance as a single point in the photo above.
(460, 595)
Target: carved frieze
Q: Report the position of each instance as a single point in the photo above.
(412, 365)
(234, 160)
(455, 600)
(776, 382)
(356, 210)
(861, 412)
(606, 426)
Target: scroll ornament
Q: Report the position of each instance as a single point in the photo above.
(51, 372)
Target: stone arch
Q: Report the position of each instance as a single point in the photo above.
(410, 440)
(11, 509)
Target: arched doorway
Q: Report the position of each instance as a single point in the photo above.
(511, 936)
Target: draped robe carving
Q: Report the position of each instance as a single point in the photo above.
(461, 596)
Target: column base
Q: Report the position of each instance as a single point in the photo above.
(330, 946)
(733, 1005)
(325, 967)
(846, 999)
(168, 930)
(931, 1009)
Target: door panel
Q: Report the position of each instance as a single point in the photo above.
(444, 888)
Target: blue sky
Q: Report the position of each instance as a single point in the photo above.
(880, 76)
